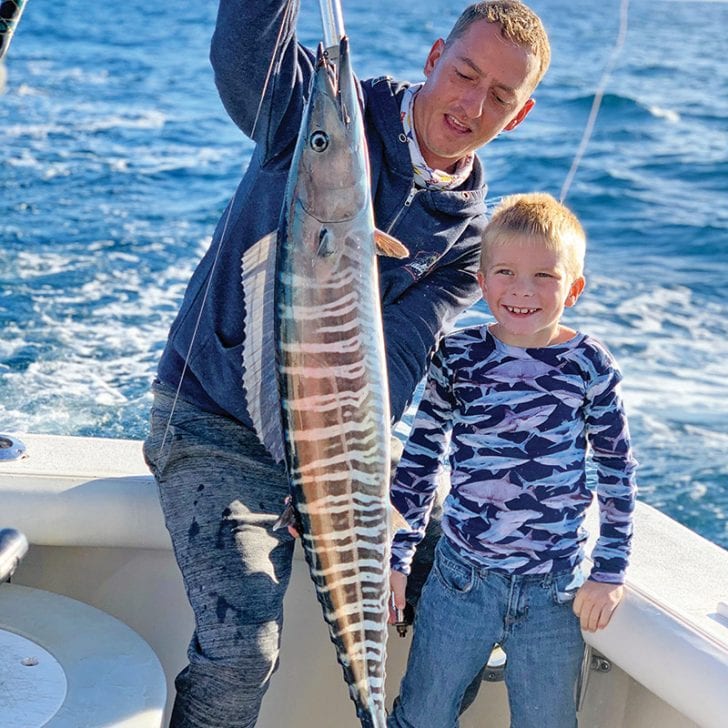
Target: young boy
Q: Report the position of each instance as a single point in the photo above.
(514, 405)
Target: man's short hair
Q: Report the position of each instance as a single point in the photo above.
(519, 24)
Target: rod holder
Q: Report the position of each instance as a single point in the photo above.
(11, 448)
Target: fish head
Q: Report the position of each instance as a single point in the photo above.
(332, 166)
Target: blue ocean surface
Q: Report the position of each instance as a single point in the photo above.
(117, 159)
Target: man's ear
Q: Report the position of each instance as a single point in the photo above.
(434, 55)
(520, 116)
(577, 287)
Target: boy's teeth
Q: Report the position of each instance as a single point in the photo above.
(517, 309)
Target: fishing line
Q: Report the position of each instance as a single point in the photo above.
(598, 95)
(285, 21)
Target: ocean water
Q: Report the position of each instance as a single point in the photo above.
(117, 159)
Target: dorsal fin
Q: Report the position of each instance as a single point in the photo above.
(259, 368)
(389, 246)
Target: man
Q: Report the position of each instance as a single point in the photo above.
(220, 490)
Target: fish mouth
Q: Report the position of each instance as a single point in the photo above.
(335, 79)
(325, 65)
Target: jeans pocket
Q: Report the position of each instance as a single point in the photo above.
(565, 584)
(455, 577)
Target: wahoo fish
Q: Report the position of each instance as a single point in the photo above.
(330, 367)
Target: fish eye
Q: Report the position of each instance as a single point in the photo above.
(319, 141)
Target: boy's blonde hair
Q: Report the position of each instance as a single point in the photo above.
(540, 216)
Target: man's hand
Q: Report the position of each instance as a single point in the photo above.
(397, 584)
(595, 603)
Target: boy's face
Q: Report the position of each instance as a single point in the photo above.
(476, 87)
(527, 287)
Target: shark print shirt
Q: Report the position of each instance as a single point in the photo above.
(513, 427)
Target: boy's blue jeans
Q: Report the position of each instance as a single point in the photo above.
(463, 611)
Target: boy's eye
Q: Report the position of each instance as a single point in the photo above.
(503, 272)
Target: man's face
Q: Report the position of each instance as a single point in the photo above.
(476, 87)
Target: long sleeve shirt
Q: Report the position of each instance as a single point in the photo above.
(513, 426)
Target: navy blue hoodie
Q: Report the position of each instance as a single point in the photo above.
(421, 295)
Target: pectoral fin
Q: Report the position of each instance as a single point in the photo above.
(389, 246)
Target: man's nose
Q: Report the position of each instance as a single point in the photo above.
(472, 102)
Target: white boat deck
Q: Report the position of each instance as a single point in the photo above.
(90, 511)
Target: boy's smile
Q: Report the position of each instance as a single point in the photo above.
(527, 286)
(520, 311)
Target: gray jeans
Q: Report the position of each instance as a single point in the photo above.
(221, 493)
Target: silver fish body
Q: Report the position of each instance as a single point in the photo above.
(331, 376)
